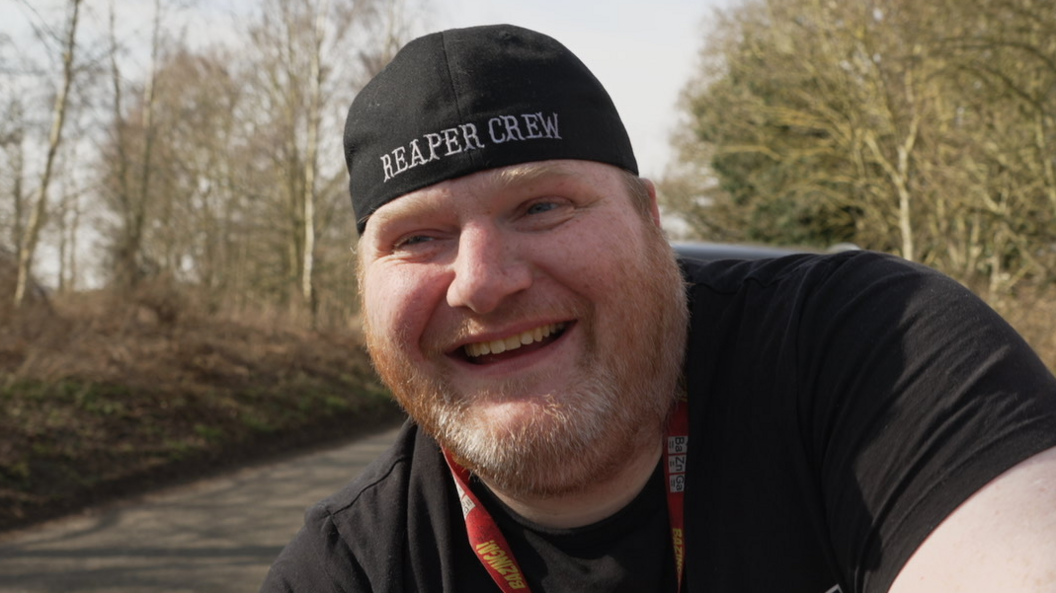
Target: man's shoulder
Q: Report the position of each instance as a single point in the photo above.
(731, 275)
(384, 487)
(366, 532)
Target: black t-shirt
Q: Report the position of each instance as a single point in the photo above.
(841, 407)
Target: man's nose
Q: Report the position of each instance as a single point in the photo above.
(488, 268)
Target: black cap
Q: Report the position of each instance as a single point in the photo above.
(465, 100)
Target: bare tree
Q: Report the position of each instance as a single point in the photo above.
(12, 141)
(311, 160)
(247, 194)
(69, 217)
(131, 189)
(39, 212)
(304, 77)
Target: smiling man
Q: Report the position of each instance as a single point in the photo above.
(588, 414)
(524, 316)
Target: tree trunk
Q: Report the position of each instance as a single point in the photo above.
(18, 171)
(39, 213)
(140, 210)
(312, 157)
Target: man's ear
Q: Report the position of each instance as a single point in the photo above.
(654, 208)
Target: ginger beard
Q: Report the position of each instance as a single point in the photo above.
(616, 405)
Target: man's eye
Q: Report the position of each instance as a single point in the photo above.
(540, 207)
(412, 240)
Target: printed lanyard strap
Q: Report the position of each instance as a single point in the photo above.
(675, 449)
(484, 535)
(494, 552)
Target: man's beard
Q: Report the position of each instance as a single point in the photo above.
(616, 406)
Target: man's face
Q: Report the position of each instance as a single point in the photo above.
(529, 318)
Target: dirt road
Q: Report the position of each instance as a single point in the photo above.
(218, 535)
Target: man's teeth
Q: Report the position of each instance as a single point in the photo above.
(513, 342)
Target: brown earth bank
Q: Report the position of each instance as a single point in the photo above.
(104, 396)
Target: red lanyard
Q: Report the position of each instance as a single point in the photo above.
(675, 469)
(484, 535)
(494, 552)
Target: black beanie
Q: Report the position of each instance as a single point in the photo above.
(466, 100)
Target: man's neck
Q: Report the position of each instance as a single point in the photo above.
(598, 502)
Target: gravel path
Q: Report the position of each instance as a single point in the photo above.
(218, 535)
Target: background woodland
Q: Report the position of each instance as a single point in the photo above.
(926, 129)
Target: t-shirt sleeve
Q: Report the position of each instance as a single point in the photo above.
(921, 394)
(317, 560)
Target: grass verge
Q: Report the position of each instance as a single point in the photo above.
(102, 397)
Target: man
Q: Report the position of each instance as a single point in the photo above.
(590, 415)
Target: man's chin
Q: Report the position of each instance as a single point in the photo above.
(523, 426)
(525, 448)
(542, 463)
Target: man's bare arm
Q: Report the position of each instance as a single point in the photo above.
(1003, 538)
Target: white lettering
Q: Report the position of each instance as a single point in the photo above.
(451, 141)
(469, 134)
(434, 142)
(401, 161)
(491, 131)
(550, 125)
(511, 127)
(531, 122)
(416, 154)
(386, 165)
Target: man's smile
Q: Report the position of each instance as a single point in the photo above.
(539, 336)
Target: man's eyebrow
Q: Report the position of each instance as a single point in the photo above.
(531, 172)
(397, 209)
